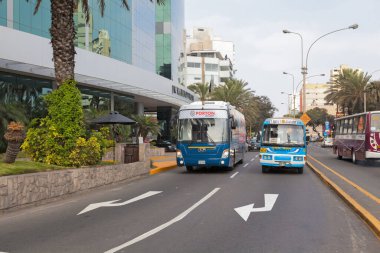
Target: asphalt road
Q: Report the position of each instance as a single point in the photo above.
(195, 213)
(364, 174)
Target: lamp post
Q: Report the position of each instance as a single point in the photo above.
(293, 96)
(304, 68)
(289, 105)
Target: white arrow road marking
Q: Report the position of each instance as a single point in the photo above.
(245, 211)
(234, 175)
(91, 207)
(245, 165)
(163, 226)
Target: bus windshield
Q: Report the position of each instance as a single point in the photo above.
(203, 130)
(375, 122)
(283, 135)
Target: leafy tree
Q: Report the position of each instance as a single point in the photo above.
(318, 117)
(60, 136)
(265, 110)
(348, 90)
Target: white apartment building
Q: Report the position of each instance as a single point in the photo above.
(315, 97)
(207, 59)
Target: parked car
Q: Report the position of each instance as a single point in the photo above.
(253, 145)
(327, 142)
(169, 147)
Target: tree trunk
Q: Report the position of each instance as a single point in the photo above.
(62, 39)
(12, 151)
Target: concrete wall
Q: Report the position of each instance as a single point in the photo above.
(30, 188)
(36, 187)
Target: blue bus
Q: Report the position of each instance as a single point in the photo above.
(210, 134)
(283, 144)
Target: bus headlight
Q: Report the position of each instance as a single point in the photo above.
(225, 153)
(179, 154)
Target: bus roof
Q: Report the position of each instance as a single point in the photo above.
(283, 121)
(356, 114)
(207, 105)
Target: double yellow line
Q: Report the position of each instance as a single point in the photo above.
(370, 219)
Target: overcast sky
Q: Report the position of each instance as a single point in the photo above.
(263, 52)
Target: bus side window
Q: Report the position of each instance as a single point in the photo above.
(349, 128)
(361, 124)
(355, 125)
(337, 127)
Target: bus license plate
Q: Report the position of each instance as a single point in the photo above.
(201, 162)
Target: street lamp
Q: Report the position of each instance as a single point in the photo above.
(304, 67)
(294, 100)
(289, 105)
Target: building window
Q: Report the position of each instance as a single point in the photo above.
(211, 67)
(193, 65)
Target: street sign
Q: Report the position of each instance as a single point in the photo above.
(305, 118)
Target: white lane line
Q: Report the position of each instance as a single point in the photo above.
(234, 175)
(252, 159)
(245, 165)
(163, 226)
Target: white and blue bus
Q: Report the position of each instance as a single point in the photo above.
(210, 134)
(283, 144)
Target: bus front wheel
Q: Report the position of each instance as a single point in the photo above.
(189, 168)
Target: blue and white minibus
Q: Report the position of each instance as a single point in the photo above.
(210, 134)
(283, 144)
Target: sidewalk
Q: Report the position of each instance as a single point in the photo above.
(163, 163)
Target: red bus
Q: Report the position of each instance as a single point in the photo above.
(358, 136)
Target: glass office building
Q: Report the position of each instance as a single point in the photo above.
(170, 36)
(118, 53)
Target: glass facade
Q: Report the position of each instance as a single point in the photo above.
(143, 44)
(169, 38)
(24, 20)
(3, 13)
(25, 91)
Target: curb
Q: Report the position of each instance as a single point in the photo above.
(371, 220)
(163, 166)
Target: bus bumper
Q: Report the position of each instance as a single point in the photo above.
(210, 162)
(372, 155)
(283, 165)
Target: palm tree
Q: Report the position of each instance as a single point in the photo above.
(8, 113)
(15, 135)
(62, 33)
(373, 96)
(235, 92)
(348, 90)
(202, 89)
(146, 125)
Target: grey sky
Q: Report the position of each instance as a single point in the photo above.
(263, 52)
